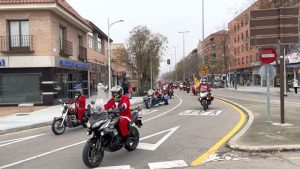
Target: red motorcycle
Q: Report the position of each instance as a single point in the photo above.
(69, 118)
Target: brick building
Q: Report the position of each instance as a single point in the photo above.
(43, 51)
(244, 60)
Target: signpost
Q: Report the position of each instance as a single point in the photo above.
(267, 56)
(203, 70)
(275, 27)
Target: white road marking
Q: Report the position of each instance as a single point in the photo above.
(41, 155)
(8, 142)
(168, 164)
(294, 158)
(164, 112)
(146, 112)
(115, 167)
(200, 113)
(152, 147)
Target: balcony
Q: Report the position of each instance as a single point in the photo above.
(82, 54)
(66, 48)
(16, 44)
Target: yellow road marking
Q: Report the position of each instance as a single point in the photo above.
(215, 147)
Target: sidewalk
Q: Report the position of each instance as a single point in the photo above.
(39, 118)
(258, 134)
(259, 89)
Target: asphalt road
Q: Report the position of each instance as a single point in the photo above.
(174, 138)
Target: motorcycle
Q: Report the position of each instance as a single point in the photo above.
(181, 87)
(188, 88)
(150, 99)
(69, 118)
(106, 136)
(204, 98)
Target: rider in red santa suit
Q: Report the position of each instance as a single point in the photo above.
(121, 102)
(80, 101)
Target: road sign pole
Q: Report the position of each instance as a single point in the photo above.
(268, 92)
(281, 90)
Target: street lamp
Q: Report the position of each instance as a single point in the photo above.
(175, 63)
(109, 54)
(183, 32)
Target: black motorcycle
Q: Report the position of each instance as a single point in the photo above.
(188, 88)
(106, 136)
(69, 118)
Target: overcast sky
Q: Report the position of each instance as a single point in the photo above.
(166, 17)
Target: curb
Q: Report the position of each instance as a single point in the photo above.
(233, 142)
(43, 124)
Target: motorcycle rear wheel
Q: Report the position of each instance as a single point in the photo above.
(91, 156)
(134, 138)
(57, 128)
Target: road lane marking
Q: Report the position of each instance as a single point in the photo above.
(152, 147)
(115, 167)
(41, 155)
(145, 121)
(168, 164)
(13, 141)
(146, 112)
(200, 113)
(215, 147)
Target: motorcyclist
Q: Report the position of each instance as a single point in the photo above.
(80, 101)
(121, 102)
(205, 87)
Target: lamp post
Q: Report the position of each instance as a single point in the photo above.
(175, 63)
(109, 54)
(203, 60)
(183, 32)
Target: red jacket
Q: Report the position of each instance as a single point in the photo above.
(80, 102)
(124, 100)
(204, 86)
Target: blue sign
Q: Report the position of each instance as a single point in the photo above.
(2, 62)
(74, 65)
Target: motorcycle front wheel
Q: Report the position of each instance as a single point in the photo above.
(58, 127)
(92, 154)
(134, 138)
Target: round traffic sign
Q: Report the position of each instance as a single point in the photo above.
(268, 55)
(263, 72)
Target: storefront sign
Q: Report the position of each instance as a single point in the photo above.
(74, 65)
(293, 58)
(2, 62)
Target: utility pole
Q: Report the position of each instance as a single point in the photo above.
(183, 39)
(175, 63)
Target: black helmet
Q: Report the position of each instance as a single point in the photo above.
(116, 92)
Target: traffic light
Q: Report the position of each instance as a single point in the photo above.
(168, 61)
(214, 56)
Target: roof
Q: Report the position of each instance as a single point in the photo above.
(63, 3)
(98, 30)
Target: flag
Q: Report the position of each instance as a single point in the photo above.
(196, 82)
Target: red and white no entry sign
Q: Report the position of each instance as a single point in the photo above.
(268, 55)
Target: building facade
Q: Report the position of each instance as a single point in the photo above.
(43, 51)
(244, 59)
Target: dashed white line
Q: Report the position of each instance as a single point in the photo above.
(116, 167)
(8, 142)
(41, 155)
(145, 121)
(168, 164)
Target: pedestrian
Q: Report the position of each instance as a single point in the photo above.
(102, 91)
(295, 85)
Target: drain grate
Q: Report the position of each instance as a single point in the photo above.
(22, 114)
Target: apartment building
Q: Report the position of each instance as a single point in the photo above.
(44, 51)
(244, 59)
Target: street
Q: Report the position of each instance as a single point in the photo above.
(176, 134)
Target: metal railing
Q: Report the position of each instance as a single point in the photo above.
(66, 47)
(82, 53)
(16, 43)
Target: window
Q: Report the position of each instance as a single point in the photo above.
(235, 51)
(242, 24)
(247, 59)
(242, 36)
(234, 28)
(243, 47)
(90, 40)
(234, 39)
(238, 61)
(251, 59)
(238, 38)
(61, 37)
(238, 50)
(99, 43)
(247, 34)
(19, 34)
(238, 27)
(247, 47)
(242, 60)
